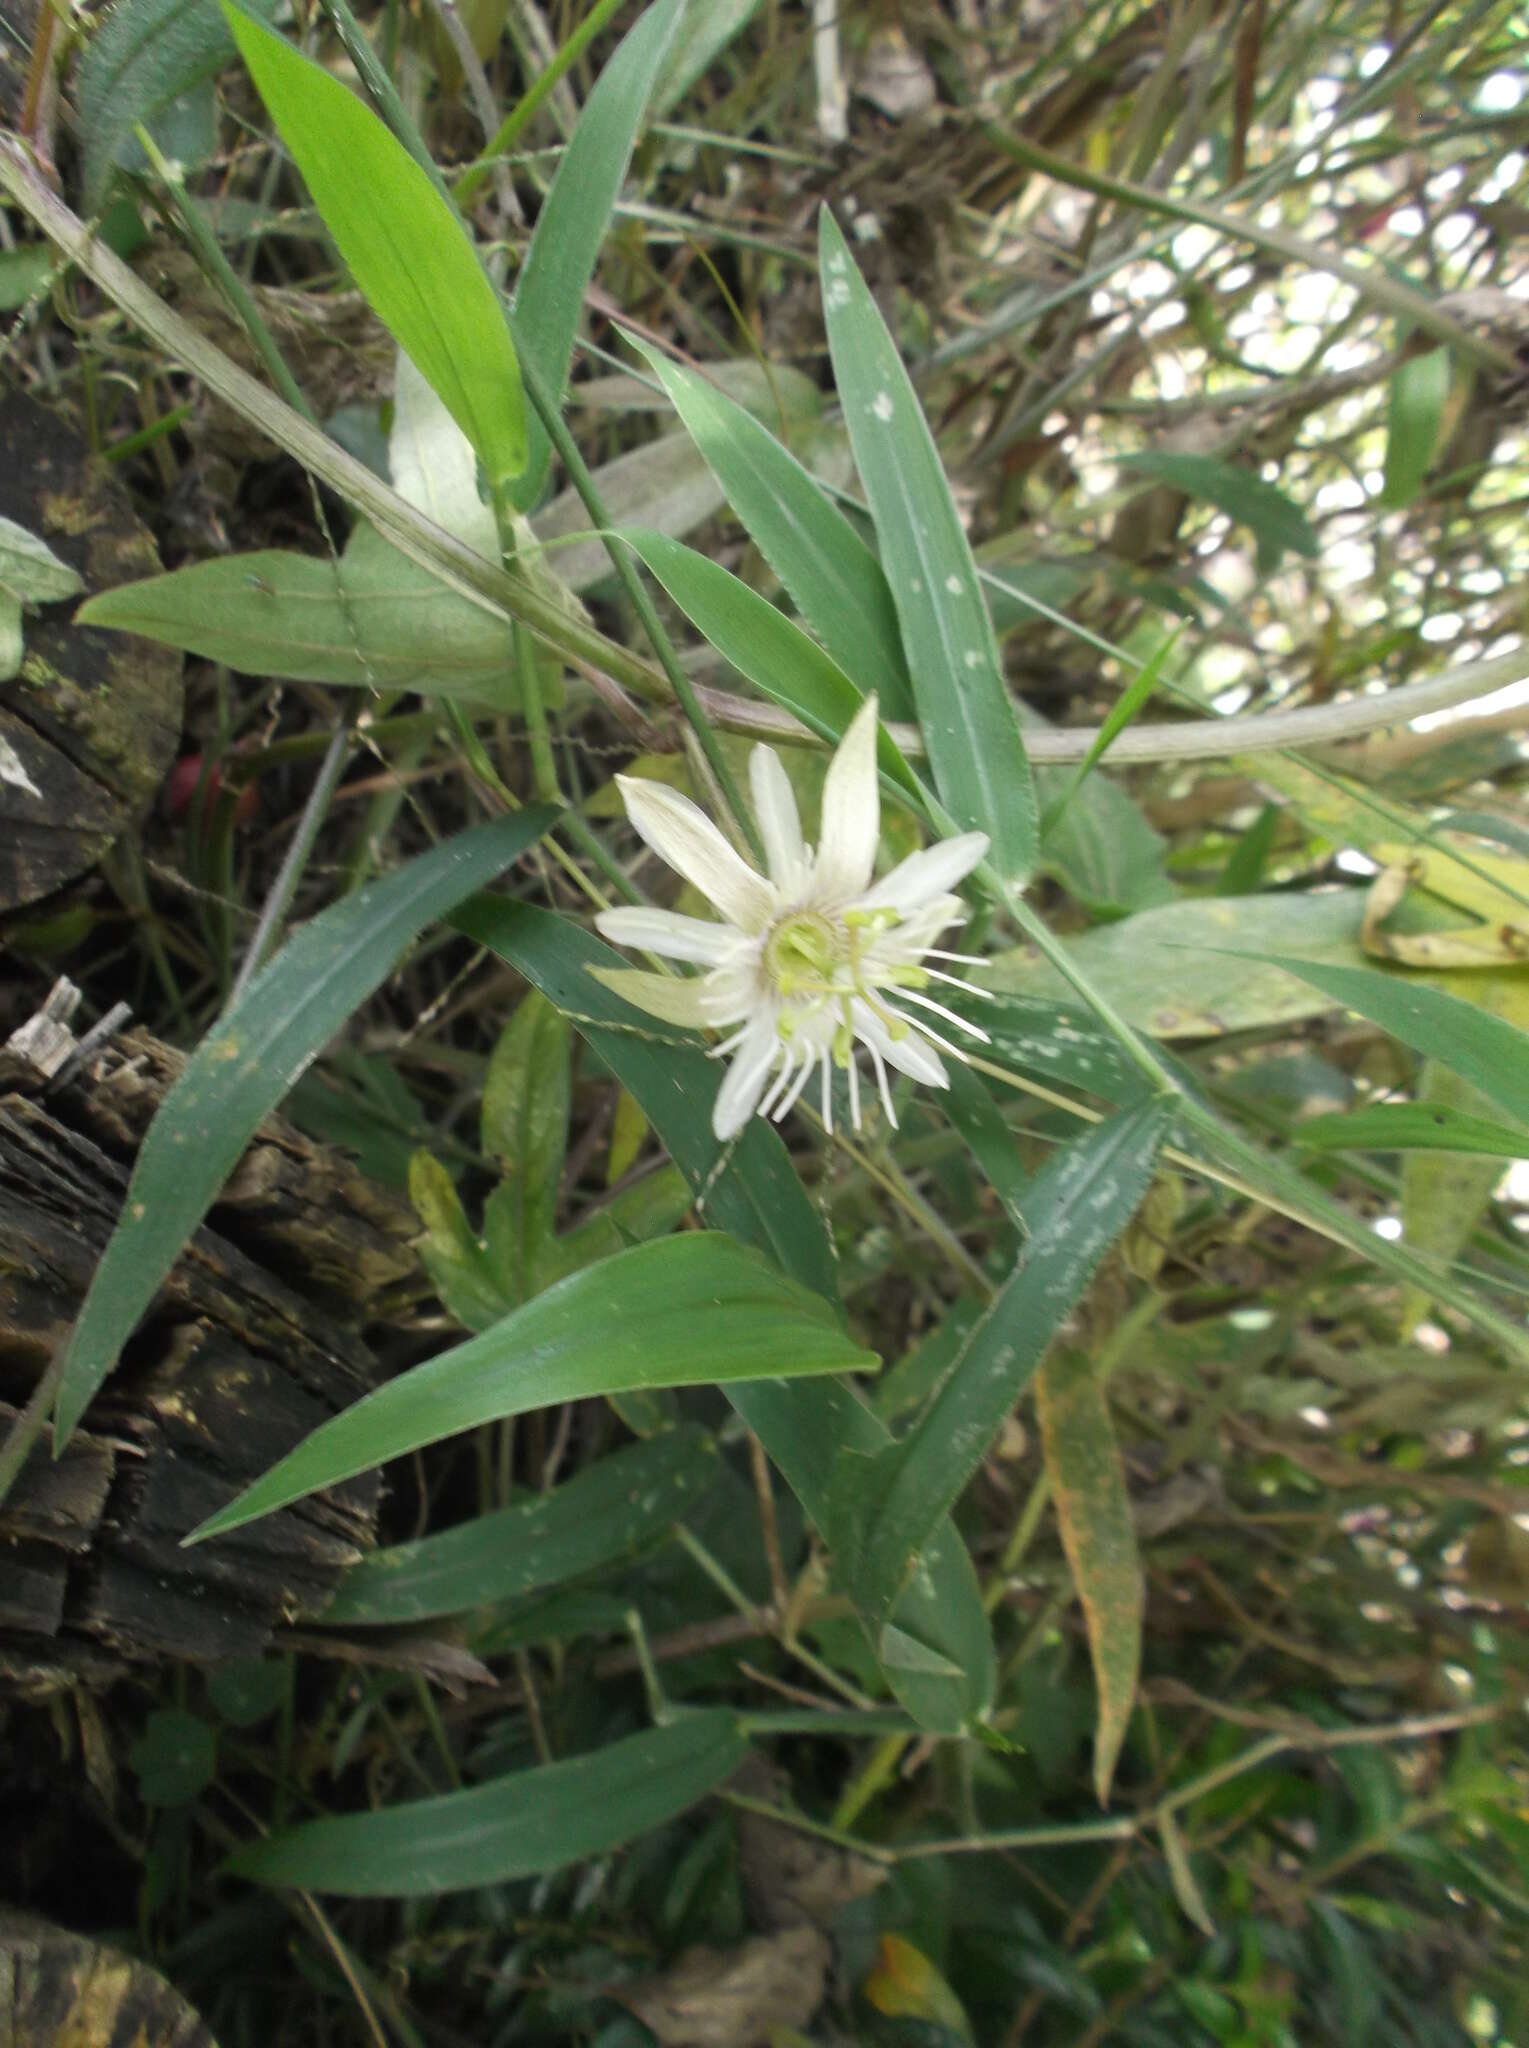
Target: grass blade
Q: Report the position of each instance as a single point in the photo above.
(1490, 1053)
(516, 1826)
(1131, 700)
(1411, 1127)
(835, 582)
(968, 722)
(1094, 1512)
(405, 247)
(778, 658)
(572, 224)
(1076, 1208)
(599, 1518)
(686, 1311)
(241, 1070)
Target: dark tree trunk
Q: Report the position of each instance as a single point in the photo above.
(251, 1343)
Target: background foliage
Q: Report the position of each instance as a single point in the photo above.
(1138, 1655)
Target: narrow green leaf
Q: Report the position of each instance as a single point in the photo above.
(1485, 1050)
(969, 1105)
(779, 659)
(1094, 1512)
(752, 1189)
(835, 582)
(407, 250)
(1076, 1207)
(524, 1114)
(1278, 526)
(1411, 1127)
(908, 1384)
(142, 56)
(967, 718)
(1414, 420)
(687, 1311)
(574, 217)
(1445, 1193)
(597, 1519)
(515, 1826)
(375, 620)
(241, 1070)
(1131, 700)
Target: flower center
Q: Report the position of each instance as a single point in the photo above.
(819, 963)
(803, 954)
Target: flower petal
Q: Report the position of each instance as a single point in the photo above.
(911, 1054)
(680, 833)
(851, 823)
(779, 825)
(667, 933)
(743, 1084)
(914, 881)
(661, 995)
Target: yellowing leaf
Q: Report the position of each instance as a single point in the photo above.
(1094, 1511)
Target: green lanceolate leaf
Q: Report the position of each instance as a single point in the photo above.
(781, 661)
(374, 620)
(598, 1519)
(515, 1826)
(405, 247)
(241, 1070)
(1276, 524)
(1075, 1209)
(1094, 1511)
(687, 1311)
(1411, 1127)
(835, 582)
(970, 730)
(549, 296)
(752, 1189)
(1490, 1053)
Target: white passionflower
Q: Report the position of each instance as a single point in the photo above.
(813, 957)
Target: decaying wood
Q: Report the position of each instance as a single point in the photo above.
(58, 1990)
(249, 1346)
(93, 718)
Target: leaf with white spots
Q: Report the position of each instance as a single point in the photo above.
(967, 718)
(888, 1506)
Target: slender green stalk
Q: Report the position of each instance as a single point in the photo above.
(526, 108)
(208, 251)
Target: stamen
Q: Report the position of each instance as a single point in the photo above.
(777, 1086)
(939, 1009)
(970, 988)
(921, 1030)
(881, 1082)
(809, 1059)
